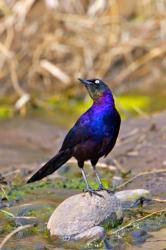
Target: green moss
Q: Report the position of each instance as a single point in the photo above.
(112, 223)
(153, 223)
(70, 107)
(41, 213)
(129, 105)
(20, 192)
(33, 230)
(6, 112)
(7, 213)
(8, 227)
(51, 109)
(132, 104)
(46, 234)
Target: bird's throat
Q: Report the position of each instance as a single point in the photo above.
(106, 99)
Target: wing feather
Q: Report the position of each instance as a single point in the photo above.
(78, 134)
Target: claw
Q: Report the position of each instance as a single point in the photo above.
(102, 188)
(110, 191)
(91, 192)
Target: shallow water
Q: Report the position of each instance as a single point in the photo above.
(40, 199)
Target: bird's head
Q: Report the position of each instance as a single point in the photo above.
(96, 88)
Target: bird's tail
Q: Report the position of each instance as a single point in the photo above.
(51, 166)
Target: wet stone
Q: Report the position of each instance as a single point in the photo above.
(81, 216)
(26, 220)
(94, 233)
(40, 247)
(139, 236)
(27, 209)
(132, 198)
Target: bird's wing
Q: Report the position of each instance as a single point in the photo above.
(79, 133)
(112, 134)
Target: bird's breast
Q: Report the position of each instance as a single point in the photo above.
(102, 126)
(101, 121)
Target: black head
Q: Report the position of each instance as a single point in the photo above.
(95, 87)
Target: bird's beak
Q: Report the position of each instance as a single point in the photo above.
(85, 82)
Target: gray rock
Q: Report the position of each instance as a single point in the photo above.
(92, 234)
(129, 197)
(78, 216)
(26, 220)
(26, 209)
(81, 216)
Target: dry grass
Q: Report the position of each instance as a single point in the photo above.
(46, 45)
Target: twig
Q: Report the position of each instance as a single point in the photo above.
(4, 192)
(7, 213)
(100, 165)
(154, 53)
(138, 220)
(7, 53)
(14, 232)
(140, 112)
(55, 71)
(159, 200)
(140, 174)
(119, 166)
(14, 78)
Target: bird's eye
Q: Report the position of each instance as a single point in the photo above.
(97, 81)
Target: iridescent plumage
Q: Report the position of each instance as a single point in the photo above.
(93, 135)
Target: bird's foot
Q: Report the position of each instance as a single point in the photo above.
(102, 188)
(92, 191)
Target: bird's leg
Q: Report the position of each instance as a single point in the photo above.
(85, 178)
(101, 187)
(88, 187)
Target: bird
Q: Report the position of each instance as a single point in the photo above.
(93, 136)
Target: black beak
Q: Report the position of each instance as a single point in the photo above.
(85, 82)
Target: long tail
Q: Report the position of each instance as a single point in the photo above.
(51, 166)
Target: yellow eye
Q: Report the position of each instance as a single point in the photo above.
(97, 81)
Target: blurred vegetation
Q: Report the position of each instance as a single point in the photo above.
(46, 45)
